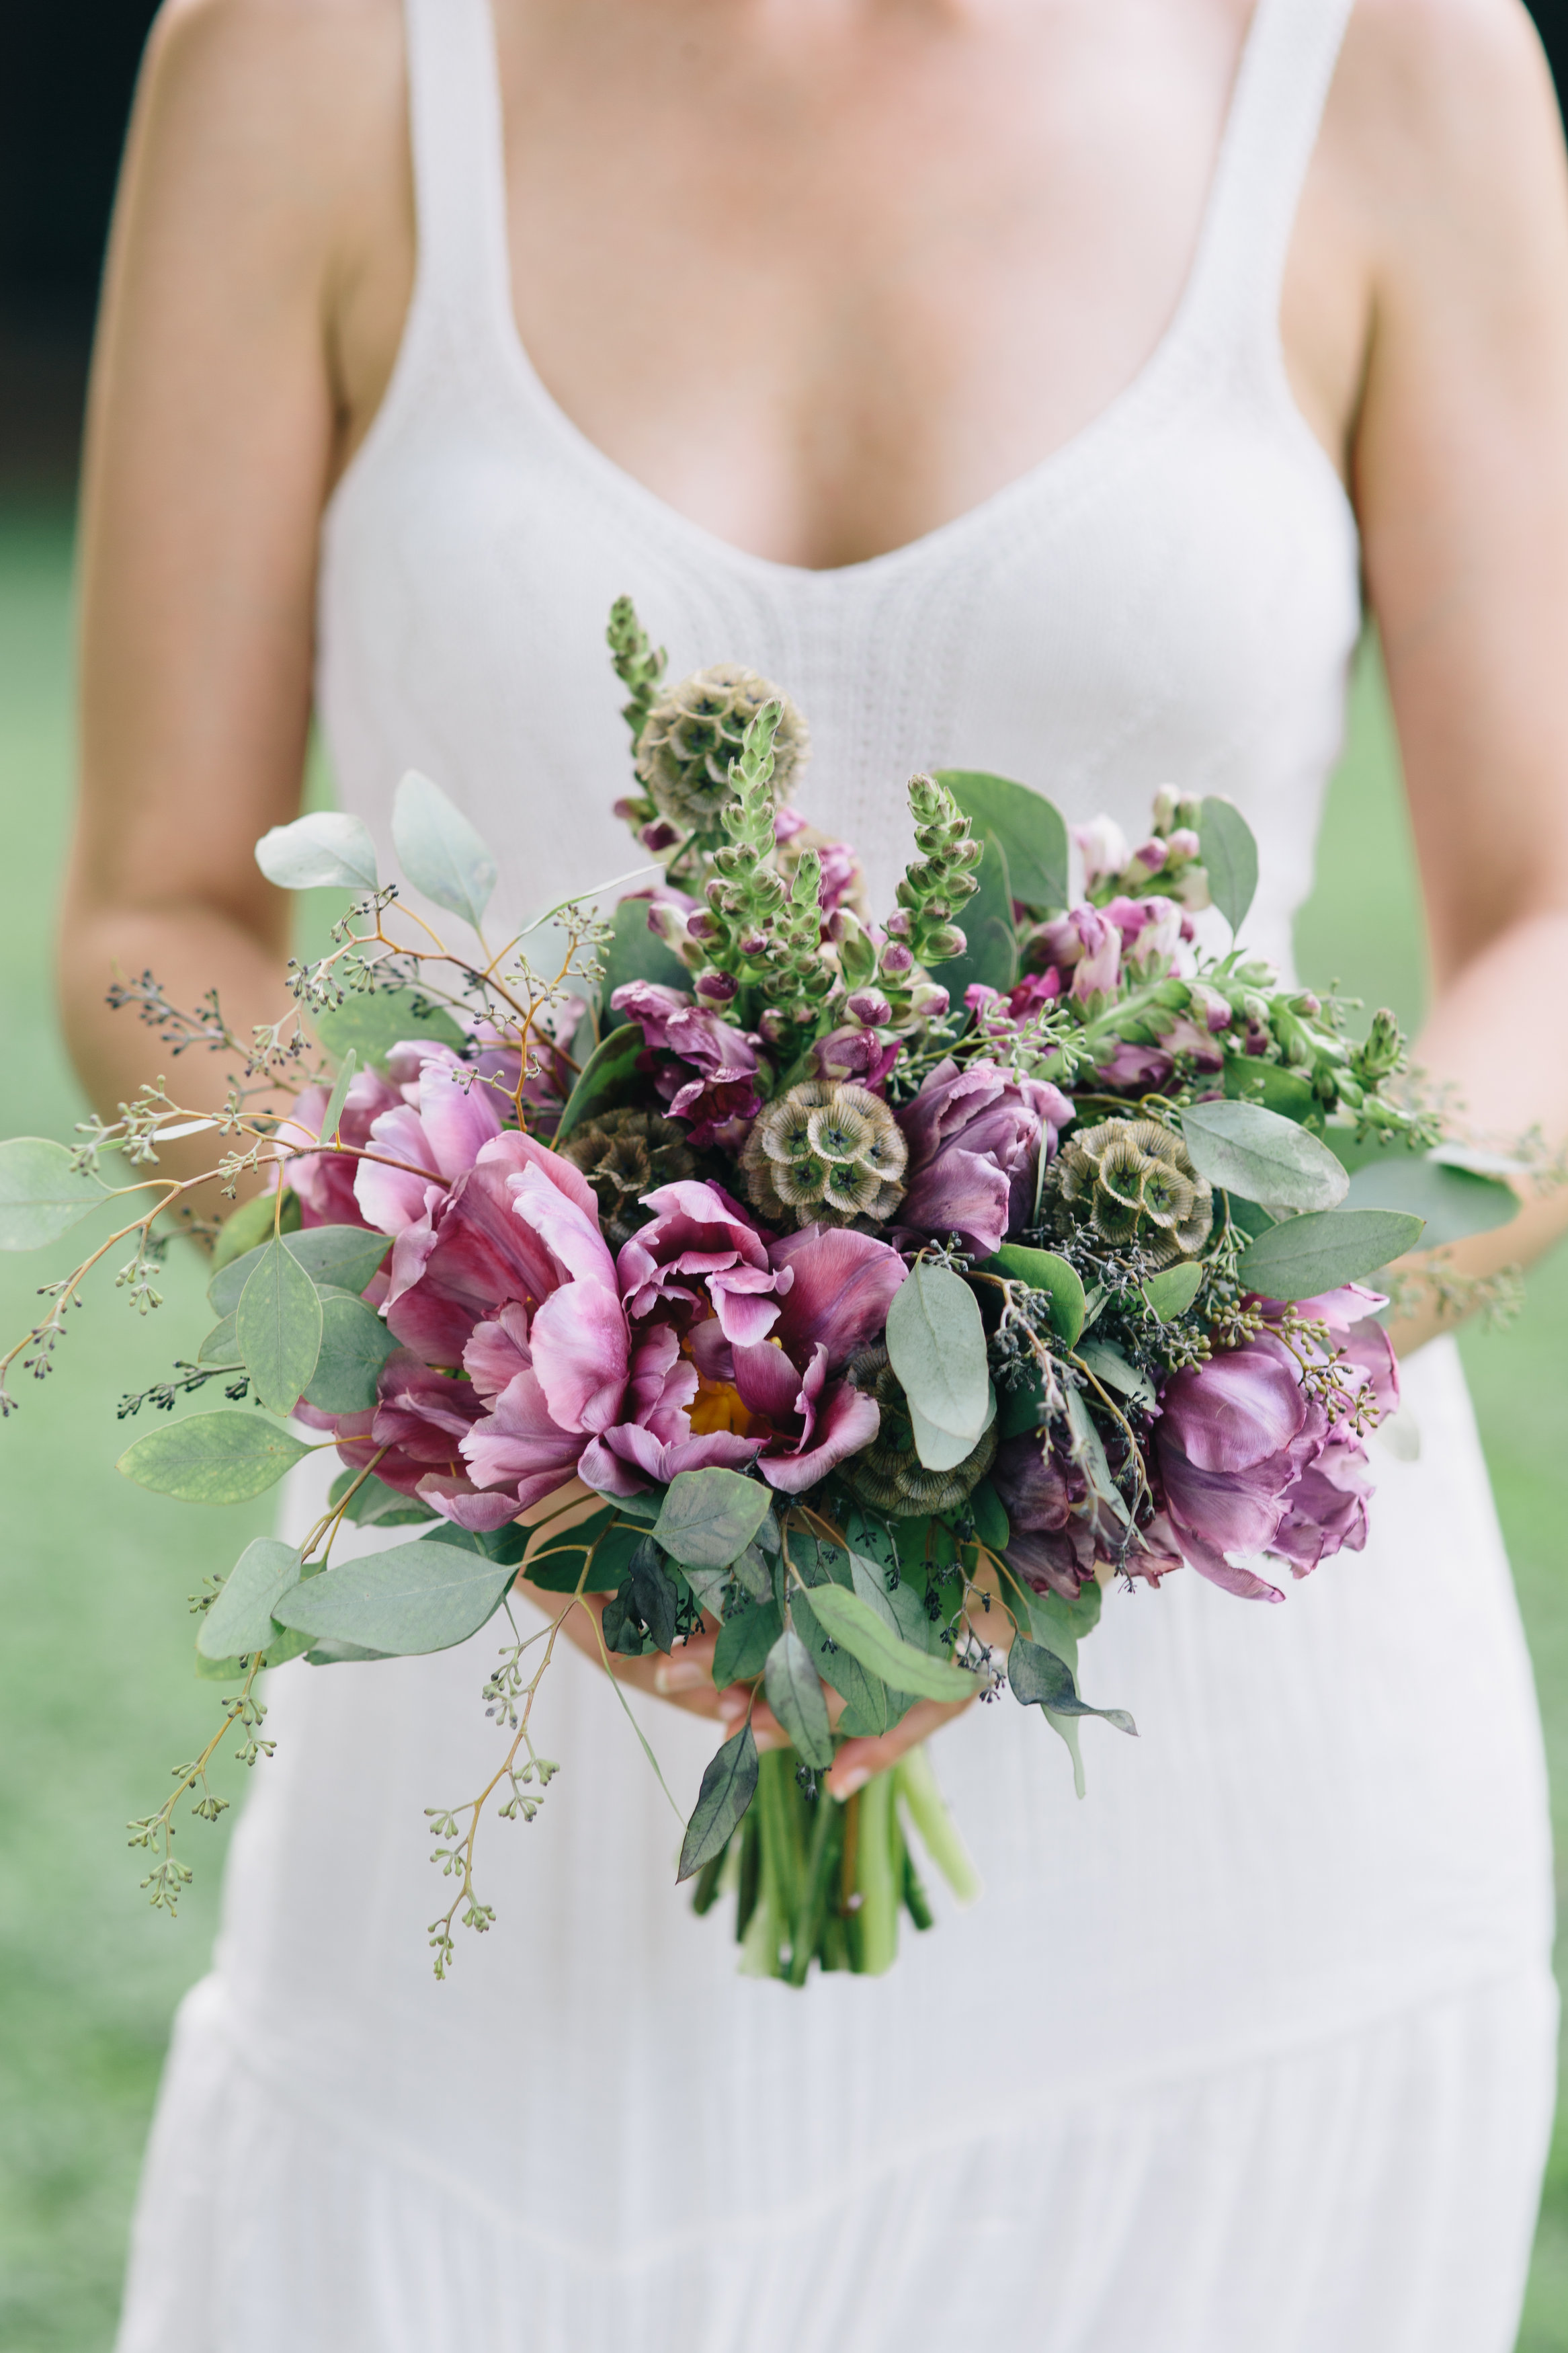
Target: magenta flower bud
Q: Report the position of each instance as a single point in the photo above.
(870, 1008)
(1209, 1008)
(899, 927)
(629, 811)
(754, 945)
(773, 1026)
(701, 926)
(1183, 844)
(659, 836)
(1150, 854)
(896, 960)
(927, 1001)
(786, 825)
(717, 987)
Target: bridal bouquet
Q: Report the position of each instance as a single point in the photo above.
(714, 1269)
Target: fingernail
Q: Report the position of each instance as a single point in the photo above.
(844, 1785)
(679, 1675)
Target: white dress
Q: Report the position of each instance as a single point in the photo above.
(1252, 2052)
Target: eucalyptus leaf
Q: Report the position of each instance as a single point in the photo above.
(989, 1517)
(1247, 1218)
(1088, 1448)
(558, 1566)
(329, 849)
(1172, 1292)
(220, 1346)
(369, 1027)
(212, 1457)
(869, 1708)
(373, 1504)
(355, 1343)
(653, 1591)
(936, 1345)
(938, 1448)
(709, 1588)
(708, 1517)
(744, 1640)
(1252, 1151)
(420, 1596)
(440, 852)
(990, 956)
(1247, 1078)
(1229, 853)
(1452, 1202)
(339, 1096)
(1306, 1256)
(751, 1571)
(1032, 832)
(343, 1256)
(608, 1080)
(42, 1196)
(729, 1785)
(1038, 1678)
(634, 953)
(1109, 1366)
(240, 1620)
(247, 1227)
(1044, 1270)
(852, 1623)
(794, 1693)
(1021, 1407)
(278, 1325)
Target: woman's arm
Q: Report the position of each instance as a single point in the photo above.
(1460, 479)
(215, 425)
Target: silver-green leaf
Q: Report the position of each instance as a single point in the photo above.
(1263, 1157)
(212, 1457)
(240, 1620)
(442, 854)
(355, 1343)
(1044, 1270)
(1039, 1679)
(859, 1629)
(343, 1256)
(708, 1517)
(1229, 853)
(1306, 1256)
(278, 1328)
(42, 1196)
(936, 1344)
(729, 1785)
(326, 851)
(794, 1693)
(1032, 832)
(419, 1598)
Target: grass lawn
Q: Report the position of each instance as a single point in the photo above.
(97, 1697)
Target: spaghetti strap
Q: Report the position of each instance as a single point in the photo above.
(459, 174)
(1283, 83)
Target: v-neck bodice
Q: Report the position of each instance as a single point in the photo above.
(1170, 596)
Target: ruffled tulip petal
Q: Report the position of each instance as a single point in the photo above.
(846, 1422)
(1236, 1410)
(466, 1507)
(844, 1283)
(391, 1199)
(457, 1115)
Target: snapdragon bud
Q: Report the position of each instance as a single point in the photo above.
(660, 836)
(1165, 808)
(928, 1000)
(773, 1025)
(869, 1007)
(717, 987)
(1182, 845)
(668, 921)
(700, 925)
(897, 959)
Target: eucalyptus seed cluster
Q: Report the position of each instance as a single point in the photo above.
(938, 881)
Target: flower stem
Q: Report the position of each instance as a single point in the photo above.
(939, 1835)
(875, 1934)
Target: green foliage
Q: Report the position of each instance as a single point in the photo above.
(212, 1457)
(1249, 1078)
(634, 953)
(369, 1026)
(729, 1785)
(1038, 1678)
(343, 1256)
(278, 1327)
(607, 1079)
(1044, 1270)
(240, 1620)
(248, 1228)
(355, 1343)
(746, 1637)
(1255, 1153)
(420, 1596)
(373, 1504)
(1172, 1292)
(990, 953)
(1305, 1256)
(850, 1622)
(936, 1345)
(795, 1695)
(1032, 833)
(708, 1517)
(441, 853)
(326, 850)
(42, 1194)
(1229, 852)
(1452, 1202)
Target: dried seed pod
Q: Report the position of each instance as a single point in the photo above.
(696, 729)
(624, 1154)
(1130, 1180)
(825, 1153)
(889, 1476)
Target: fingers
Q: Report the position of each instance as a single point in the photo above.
(685, 1678)
(858, 1759)
(766, 1729)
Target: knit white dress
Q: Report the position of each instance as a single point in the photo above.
(1252, 2052)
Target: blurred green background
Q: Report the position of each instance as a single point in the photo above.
(97, 1697)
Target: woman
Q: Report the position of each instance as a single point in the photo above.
(991, 373)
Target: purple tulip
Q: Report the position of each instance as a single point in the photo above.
(415, 1426)
(710, 1080)
(975, 1137)
(657, 1441)
(857, 1055)
(701, 1255)
(841, 1287)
